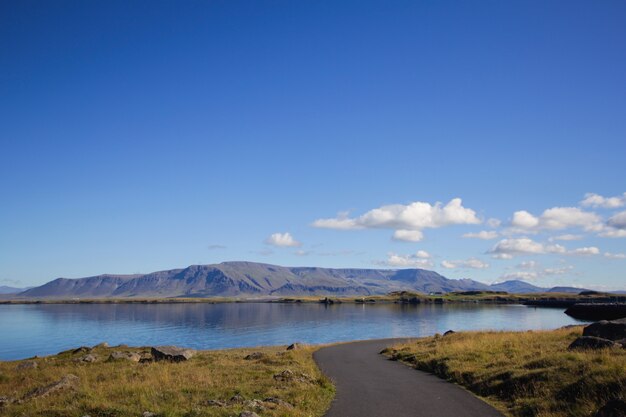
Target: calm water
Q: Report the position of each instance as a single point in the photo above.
(28, 330)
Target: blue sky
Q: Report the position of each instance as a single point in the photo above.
(139, 136)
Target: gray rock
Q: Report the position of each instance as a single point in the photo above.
(4, 401)
(294, 346)
(26, 365)
(215, 403)
(171, 353)
(89, 358)
(591, 342)
(237, 399)
(248, 414)
(274, 401)
(129, 356)
(82, 349)
(68, 381)
(290, 376)
(148, 414)
(614, 408)
(612, 330)
(255, 356)
(101, 345)
(256, 404)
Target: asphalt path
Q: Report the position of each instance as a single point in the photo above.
(370, 385)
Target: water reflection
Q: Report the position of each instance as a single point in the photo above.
(29, 330)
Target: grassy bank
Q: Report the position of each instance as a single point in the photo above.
(212, 383)
(523, 373)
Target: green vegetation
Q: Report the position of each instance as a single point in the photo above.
(400, 297)
(523, 373)
(211, 383)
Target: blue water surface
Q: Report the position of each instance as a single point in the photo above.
(28, 330)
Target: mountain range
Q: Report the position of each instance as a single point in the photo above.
(250, 279)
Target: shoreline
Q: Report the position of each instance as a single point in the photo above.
(557, 300)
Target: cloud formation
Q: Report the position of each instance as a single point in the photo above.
(483, 235)
(532, 271)
(419, 259)
(473, 263)
(596, 200)
(407, 221)
(282, 240)
(508, 248)
(557, 218)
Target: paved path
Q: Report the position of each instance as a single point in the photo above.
(370, 385)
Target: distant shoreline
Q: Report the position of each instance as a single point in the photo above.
(561, 300)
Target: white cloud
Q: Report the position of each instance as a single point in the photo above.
(483, 234)
(615, 255)
(408, 221)
(408, 235)
(592, 250)
(469, 263)
(596, 200)
(508, 248)
(493, 223)
(531, 271)
(420, 259)
(528, 265)
(524, 220)
(282, 240)
(566, 237)
(557, 218)
(519, 275)
(618, 221)
(612, 232)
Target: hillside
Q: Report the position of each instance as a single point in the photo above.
(249, 279)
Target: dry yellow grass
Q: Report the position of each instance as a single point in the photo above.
(524, 373)
(124, 388)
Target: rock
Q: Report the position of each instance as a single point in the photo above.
(614, 408)
(129, 356)
(612, 330)
(215, 403)
(256, 404)
(449, 332)
(277, 402)
(248, 414)
(4, 401)
(82, 349)
(26, 365)
(290, 376)
(236, 399)
(254, 356)
(68, 381)
(171, 353)
(591, 342)
(89, 358)
(294, 346)
(101, 345)
(148, 414)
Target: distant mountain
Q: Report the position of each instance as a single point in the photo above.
(516, 286)
(572, 290)
(11, 290)
(250, 279)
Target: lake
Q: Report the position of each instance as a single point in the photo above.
(28, 330)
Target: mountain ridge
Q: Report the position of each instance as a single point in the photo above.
(253, 279)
